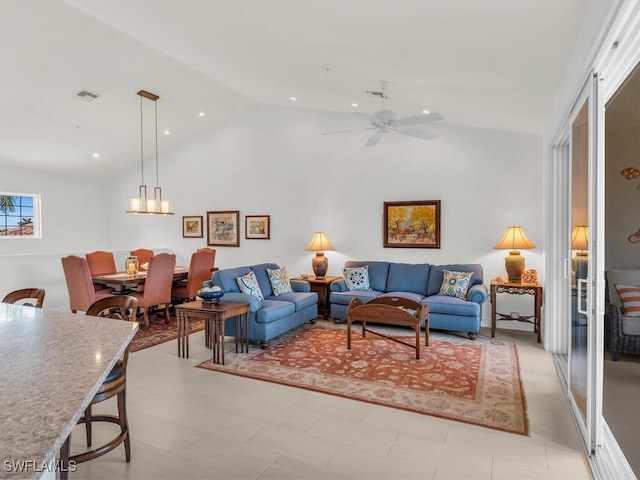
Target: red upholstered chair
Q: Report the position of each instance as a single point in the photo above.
(157, 286)
(101, 263)
(33, 297)
(202, 261)
(79, 284)
(121, 307)
(143, 255)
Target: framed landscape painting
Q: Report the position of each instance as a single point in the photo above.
(223, 228)
(257, 227)
(414, 224)
(192, 227)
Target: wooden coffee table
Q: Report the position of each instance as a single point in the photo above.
(215, 315)
(389, 311)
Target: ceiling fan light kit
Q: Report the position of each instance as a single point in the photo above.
(386, 121)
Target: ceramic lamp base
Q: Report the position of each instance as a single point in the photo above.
(514, 265)
(320, 265)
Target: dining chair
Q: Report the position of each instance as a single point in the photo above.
(120, 307)
(200, 266)
(101, 263)
(78, 277)
(26, 296)
(157, 285)
(143, 255)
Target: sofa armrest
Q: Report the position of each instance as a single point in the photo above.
(254, 302)
(300, 286)
(478, 293)
(338, 285)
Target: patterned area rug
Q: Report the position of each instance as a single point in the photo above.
(475, 382)
(159, 332)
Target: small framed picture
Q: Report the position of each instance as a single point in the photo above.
(192, 227)
(257, 227)
(223, 228)
(414, 224)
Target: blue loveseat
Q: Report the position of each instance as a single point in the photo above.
(420, 283)
(274, 315)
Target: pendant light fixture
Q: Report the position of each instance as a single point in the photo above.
(141, 203)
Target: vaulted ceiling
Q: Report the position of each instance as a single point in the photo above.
(491, 64)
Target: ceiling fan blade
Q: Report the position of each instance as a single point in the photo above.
(375, 138)
(418, 119)
(350, 130)
(414, 132)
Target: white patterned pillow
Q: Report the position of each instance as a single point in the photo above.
(630, 297)
(279, 279)
(249, 284)
(356, 278)
(455, 284)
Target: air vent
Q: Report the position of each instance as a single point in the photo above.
(86, 96)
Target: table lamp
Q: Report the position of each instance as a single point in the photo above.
(319, 243)
(514, 239)
(580, 242)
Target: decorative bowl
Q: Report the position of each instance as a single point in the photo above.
(210, 296)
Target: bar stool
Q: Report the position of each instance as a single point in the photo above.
(123, 308)
(25, 296)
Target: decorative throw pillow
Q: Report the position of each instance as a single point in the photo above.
(249, 284)
(455, 284)
(357, 278)
(279, 279)
(630, 297)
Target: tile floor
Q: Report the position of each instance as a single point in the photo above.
(189, 423)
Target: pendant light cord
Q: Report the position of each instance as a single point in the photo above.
(141, 144)
(157, 182)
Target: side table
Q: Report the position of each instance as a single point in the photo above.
(534, 289)
(321, 287)
(215, 315)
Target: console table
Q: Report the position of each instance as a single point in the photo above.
(510, 288)
(322, 287)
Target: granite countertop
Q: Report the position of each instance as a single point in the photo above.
(51, 365)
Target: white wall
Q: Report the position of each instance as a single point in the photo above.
(73, 221)
(274, 161)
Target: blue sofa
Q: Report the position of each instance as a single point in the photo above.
(274, 315)
(421, 283)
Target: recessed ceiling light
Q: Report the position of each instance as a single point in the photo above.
(167, 132)
(426, 111)
(201, 114)
(293, 98)
(95, 155)
(354, 104)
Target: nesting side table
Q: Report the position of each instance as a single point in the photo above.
(215, 315)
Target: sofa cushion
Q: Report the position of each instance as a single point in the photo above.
(274, 310)
(356, 278)
(378, 273)
(226, 279)
(407, 277)
(451, 306)
(249, 284)
(343, 298)
(300, 300)
(279, 279)
(455, 284)
(630, 297)
(436, 275)
(263, 277)
(631, 325)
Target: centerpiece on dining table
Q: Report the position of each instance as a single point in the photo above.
(210, 295)
(131, 265)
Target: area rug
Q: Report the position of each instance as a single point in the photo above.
(476, 382)
(159, 332)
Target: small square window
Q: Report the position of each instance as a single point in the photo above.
(19, 215)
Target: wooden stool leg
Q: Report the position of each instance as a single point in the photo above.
(64, 458)
(87, 424)
(124, 423)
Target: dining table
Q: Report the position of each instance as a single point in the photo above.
(120, 282)
(52, 363)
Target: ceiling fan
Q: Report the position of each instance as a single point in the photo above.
(386, 121)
